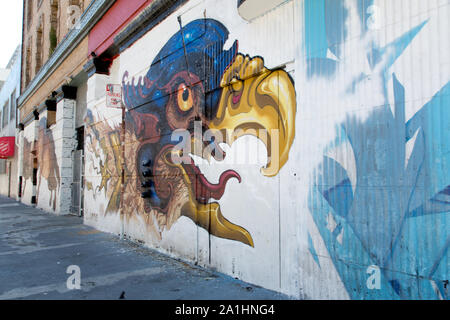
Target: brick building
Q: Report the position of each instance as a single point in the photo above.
(52, 102)
(9, 92)
(46, 23)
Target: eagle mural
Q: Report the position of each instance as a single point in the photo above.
(192, 80)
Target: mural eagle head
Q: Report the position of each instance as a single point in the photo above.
(194, 80)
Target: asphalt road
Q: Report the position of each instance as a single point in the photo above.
(37, 248)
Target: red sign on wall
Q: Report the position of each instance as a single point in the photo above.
(114, 96)
(7, 147)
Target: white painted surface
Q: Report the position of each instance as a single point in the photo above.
(275, 210)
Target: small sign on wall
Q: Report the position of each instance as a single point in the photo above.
(114, 96)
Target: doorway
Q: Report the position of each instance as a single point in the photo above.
(78, 175)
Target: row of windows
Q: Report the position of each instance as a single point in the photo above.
(40, 37)
(8, 112)
(29, 4)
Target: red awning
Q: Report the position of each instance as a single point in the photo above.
(7, 147)
(115, 19)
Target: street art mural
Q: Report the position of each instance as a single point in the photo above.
(27, 173)
(384, 194)
(48, 166)
(102, 138)
(40, 167)
(371, 155)
(192, 80)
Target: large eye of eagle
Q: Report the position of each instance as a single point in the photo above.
(185, 101)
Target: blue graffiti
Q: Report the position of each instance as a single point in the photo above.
(395, 214)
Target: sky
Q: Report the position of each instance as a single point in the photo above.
(10, 29)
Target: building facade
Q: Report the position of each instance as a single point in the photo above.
(300, 145)
(9, 93)
(53, 102)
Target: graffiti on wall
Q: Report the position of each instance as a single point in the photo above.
(382, 197)
(192, 82)
(48, 164)
(387, 203)
(102, 138)
(27, 173)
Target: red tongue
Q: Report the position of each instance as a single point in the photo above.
(205, 190)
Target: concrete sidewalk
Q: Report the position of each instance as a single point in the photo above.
(36, 248)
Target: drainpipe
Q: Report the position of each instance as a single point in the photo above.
(122, 227)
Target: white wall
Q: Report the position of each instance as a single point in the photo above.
(348, 120)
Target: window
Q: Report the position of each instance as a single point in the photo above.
(29, 13)
(5, 114)
(12, 106)
(28, 64)
(39, 46)
(53, 33)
